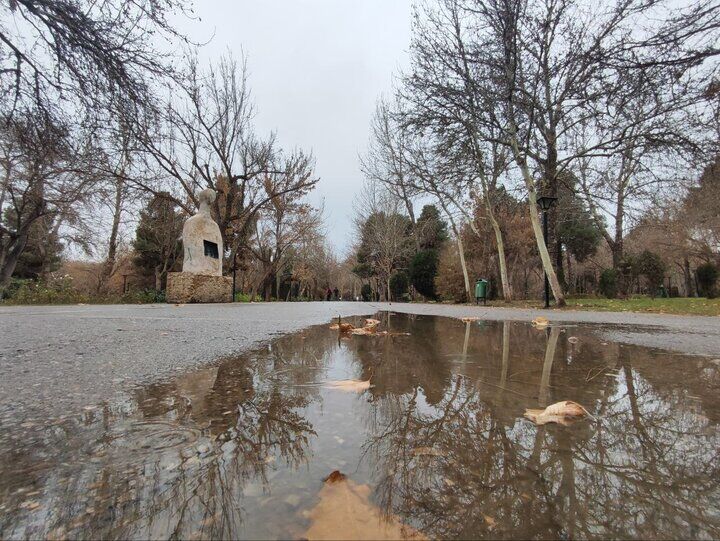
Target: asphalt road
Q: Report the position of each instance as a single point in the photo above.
(58, 358)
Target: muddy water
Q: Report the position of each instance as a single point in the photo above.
(240, 449)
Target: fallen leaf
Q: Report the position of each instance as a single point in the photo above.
(343, 327)
(345, 512)
(491, 522)
(573, 339)
(540, 321)
(372, 322)
(363, 331)
(349, 385)
(469, 319)
(427, 451)
(563, 413)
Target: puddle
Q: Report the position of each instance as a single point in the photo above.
(240, 449)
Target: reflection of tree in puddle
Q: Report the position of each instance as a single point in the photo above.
(443, 440)
(176, 461)
(647, 468)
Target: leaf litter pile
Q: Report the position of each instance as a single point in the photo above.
(344, 511)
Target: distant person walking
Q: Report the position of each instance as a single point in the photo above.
(336, 294)
(328, 294)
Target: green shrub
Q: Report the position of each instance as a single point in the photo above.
(423, 269)
(55, 291)
(399, 283)
(652, 267)
(145, 296)
(609, 283)
(245, 297)
(366, 292)
(707, 276)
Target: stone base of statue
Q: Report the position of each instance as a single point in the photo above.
(186, 287)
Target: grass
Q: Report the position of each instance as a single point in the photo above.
(680, 306)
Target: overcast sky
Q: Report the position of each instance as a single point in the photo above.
(316, 68)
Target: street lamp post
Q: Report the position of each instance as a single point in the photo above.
(545, 202)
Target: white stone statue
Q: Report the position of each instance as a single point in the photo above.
(202, 241)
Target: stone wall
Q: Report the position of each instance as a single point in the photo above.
(185, 287)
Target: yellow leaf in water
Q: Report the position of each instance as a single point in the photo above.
(469, 319)
(349, 385)
(563, 413)
(345, 512)
(343, 327)
(540, 321)
(363, 331)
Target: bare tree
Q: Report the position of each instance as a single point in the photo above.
(384, 233)
(83, 51)
(386, 160)
(204, 139)
(48, 175)
(286, 221)
(446, 98)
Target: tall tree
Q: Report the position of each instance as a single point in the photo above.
(47, 175)
(385, 237)
(158, 238)
(204, 138)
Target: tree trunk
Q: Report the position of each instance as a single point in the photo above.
(559, 261)
(570, 285)
(688, 278)
(461, 249)
(504, 279)
(537, 228)
(617, 245)
(10, 258)
(112, 243)
(158, 278)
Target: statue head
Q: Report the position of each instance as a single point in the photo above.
(205, 198)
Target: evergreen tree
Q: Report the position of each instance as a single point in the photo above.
(42, 251)
(423, 270)
(432, 233)
(158, 244)
(431, 229)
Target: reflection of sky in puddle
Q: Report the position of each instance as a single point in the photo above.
(240, 449)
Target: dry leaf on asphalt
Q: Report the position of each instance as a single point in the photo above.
(345, 512)
(563, 413)
(349, 385)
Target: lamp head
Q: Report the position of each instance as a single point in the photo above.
(545, 202)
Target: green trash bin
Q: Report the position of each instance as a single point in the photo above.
(481, 291)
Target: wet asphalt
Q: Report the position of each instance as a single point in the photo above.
(56, 359)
